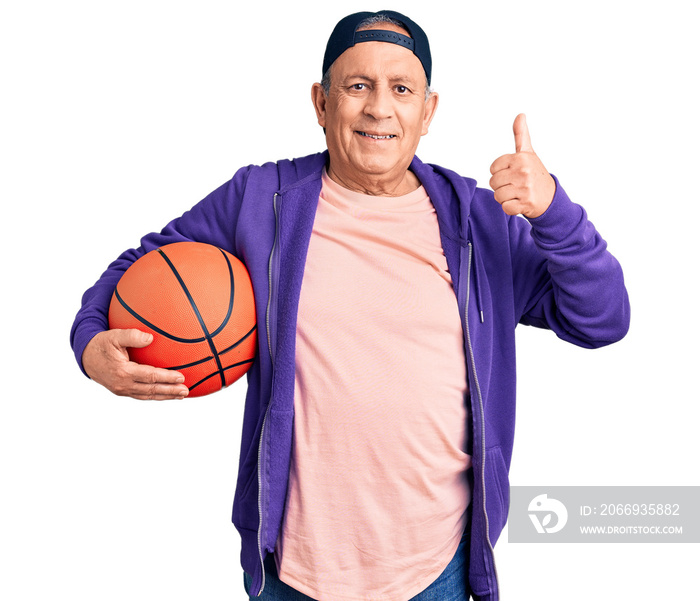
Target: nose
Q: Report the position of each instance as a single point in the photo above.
(379, 104)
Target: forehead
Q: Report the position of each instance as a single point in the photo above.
(379, 58)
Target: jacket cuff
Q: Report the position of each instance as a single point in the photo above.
(82, 336)
(560, 219)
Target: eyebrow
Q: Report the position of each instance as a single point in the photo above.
(358, 76)
(393, 78)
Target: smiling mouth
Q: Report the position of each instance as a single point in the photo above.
(375, 137)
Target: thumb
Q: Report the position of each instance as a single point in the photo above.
(132, 338)
(522, 134)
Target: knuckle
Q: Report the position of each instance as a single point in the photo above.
(121, 375)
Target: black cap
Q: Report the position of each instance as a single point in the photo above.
(344, 36)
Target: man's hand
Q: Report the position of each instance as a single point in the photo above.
(106, 360)
(520, 182)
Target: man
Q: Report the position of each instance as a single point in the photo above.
(379, 415)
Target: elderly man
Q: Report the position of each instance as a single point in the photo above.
(379, 415)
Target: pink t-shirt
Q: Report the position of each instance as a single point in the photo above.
(378, 492)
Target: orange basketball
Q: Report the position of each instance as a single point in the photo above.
(197, 301)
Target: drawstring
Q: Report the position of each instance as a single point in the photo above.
(477, 289)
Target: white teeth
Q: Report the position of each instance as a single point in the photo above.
(375, 137)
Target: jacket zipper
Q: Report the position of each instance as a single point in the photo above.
(270, 299)
(270, 265)
(481, 414)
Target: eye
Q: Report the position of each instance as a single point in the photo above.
(358, 87)
(402, 90)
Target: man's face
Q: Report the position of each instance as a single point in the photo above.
(375, 111)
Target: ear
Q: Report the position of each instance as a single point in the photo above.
(318, 97)
(430, 107)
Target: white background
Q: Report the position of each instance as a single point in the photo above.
(118, 116)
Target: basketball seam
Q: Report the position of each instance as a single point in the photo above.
(198, 315)
(155, 328)
(207, 359)
(193, 364)
(241, 339)
(232, 293)
(211, 375)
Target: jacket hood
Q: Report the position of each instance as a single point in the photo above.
(451, 195)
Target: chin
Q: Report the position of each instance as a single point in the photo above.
(375, 165)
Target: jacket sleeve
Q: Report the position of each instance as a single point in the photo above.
(564, 277)
(212, 221)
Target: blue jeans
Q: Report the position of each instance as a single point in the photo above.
(451, 585)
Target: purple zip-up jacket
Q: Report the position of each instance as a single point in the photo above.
(552, 272)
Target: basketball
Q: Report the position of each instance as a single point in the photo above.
(197, 301)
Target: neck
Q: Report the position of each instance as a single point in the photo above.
(379, 185)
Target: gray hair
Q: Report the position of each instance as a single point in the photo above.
(368, 23)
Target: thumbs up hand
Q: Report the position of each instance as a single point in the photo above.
(520, 182)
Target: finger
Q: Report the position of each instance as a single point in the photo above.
(149, 391)
(506, 194)
(502, 162)
(501, 178)
(132, 338)
(522, 134)
(157, 393)
(152, 394)
(512, 207)
(155, 375)
(153, 383)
